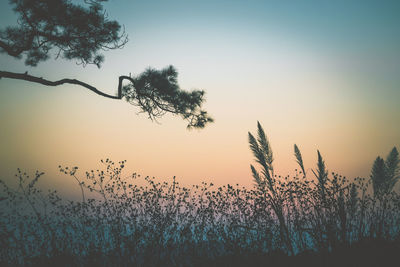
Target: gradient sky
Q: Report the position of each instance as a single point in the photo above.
(322, 74)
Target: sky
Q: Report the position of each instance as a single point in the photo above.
(322, 74)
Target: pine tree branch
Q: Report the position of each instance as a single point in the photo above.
(34, 79)
(155, 101)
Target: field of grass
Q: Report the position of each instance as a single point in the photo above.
(319, 220)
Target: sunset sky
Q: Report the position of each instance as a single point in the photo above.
(322, 74)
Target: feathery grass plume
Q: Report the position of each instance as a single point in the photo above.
(299, 158)
(265, 146)
(256, 176)
(385, 173)
(378, 176)
(321, 174)
(259, 156)
(392, 169)
(263, 156)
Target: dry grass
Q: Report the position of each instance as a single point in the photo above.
(325, 220)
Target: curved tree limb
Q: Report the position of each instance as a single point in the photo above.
(26, 77)
(154, 92)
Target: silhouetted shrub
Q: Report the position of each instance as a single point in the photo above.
(325, 220)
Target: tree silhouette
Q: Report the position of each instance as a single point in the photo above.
(80, 32)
